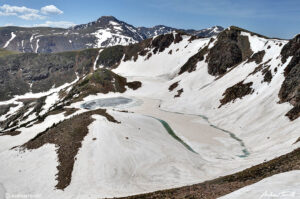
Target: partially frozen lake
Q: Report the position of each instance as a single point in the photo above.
(106, 102)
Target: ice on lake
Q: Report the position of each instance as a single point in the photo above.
(106, 102)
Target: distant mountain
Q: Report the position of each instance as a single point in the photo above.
(106, 31)
(208, 32)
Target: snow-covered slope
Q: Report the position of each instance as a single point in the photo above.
(215, 96)
(284, 185)
(175, 110)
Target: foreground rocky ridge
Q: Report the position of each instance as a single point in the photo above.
(290, 89)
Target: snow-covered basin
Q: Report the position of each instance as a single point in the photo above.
(192, 130)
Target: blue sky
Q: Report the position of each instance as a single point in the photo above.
(274, 18)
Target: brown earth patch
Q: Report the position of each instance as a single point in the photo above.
(67, 137)
(70, 111)
(134, 85)
(11, 133)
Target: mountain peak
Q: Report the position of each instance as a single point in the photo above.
(238, 29)
(107, 18)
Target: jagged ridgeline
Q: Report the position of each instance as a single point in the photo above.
(29, 72)
(104, 32)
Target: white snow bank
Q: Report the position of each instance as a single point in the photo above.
(13, 35)
(283, 186)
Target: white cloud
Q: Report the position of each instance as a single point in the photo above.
(9, 10)
(31, 16)
(8, 24)
(51, 9)
(58, 24)
(7, 14)
(28, 13)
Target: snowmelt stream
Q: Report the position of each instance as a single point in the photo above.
(115, 102)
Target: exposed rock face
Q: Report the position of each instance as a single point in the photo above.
(191, 64)
(238, 90)
(162, 42)
(104, 32)
(41, 71)
(257, 57)
(290, 89)
(230, 49)
(100, 81)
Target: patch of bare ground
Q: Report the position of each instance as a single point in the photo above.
(238, 90)
(70, 111)
(13, 121)
(134, 85)
(173, 86)
(179, 92)
(227, 184)
(67, 137)
(11, 133)
(101, 81)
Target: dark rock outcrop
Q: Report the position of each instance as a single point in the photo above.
(42, 71)
(257, 57)
(173, 86)
(191, 64)
(290, 88)
(238, 90)
(162, 42)
(230, 49)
